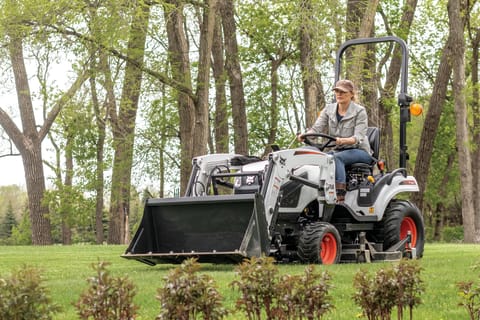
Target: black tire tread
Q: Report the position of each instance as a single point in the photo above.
(396, 211)
(309, 242)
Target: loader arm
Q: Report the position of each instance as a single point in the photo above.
(283, 166)
(203, 167)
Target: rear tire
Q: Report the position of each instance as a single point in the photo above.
(400, 217)
(320, 243)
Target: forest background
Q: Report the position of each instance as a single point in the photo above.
(114, 98)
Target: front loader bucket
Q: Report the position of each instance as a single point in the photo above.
(215, 229)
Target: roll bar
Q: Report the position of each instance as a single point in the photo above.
(404, 99)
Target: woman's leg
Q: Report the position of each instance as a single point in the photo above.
(342, 159)
(348, 157)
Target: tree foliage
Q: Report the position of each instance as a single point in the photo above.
(8, 223)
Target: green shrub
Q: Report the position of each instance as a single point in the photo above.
(22, 233)
(187, 295)
(469, 293)
(429, 233)
(257, 286)
(22, 296)
(375, 294)
(410, 286)
(303, 296)
(107, 298)
(287, 297)
(395, 286)
(452, 234)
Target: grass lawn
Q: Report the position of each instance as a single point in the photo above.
(66, 268)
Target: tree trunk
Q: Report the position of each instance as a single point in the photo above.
(312, 86)
(363, 71)
(163, 142)
(180, 69)
(124, 128)
(29, 141)
(99, 184)
(30, 146)
(219, 74)
(393, 76)
(100, 143)
(432, 120)
(455, 9)
(355, 12)
(200, 137)
(369, 85)
(365, 29)
(68, 183)
(439, 213)
(232, 65)
(475, 103)
(272, 130)
(101, 116)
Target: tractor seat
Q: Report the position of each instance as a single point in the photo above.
(373, 135)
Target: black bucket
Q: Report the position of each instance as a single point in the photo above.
(216, 229)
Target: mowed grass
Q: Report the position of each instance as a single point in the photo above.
(66, 268)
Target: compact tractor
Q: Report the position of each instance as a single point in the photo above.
(237, 207)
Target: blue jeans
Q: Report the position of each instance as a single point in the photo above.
(347, 157)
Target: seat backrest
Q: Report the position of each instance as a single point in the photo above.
(373, 134)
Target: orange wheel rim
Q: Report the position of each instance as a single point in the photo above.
(408, 225)
(328, 250)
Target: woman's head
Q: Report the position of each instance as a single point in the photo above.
(345, 88)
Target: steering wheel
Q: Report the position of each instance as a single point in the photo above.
(321, 146)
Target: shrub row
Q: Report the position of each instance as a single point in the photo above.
(263, 294)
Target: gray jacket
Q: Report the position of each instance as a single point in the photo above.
(353, 124)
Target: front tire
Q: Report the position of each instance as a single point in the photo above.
(319, 243)
(401, 217)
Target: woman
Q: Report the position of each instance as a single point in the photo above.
(347, 121)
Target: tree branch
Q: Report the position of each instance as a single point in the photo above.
(11, 129)
(157, 75)
(60, 103)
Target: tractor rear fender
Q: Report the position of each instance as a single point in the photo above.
(396, 185)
